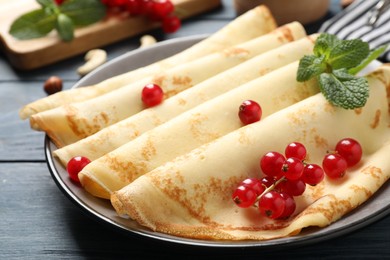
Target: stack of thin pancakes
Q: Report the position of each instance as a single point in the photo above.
(174, 167)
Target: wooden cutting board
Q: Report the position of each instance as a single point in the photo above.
(32, 54)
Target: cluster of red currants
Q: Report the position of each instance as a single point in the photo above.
(155, 10)
(286, 176)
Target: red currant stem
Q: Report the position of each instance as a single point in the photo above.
(268, 189)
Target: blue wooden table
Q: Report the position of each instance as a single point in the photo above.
(38, 222)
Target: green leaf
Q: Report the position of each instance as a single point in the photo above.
(83, 12)
(35, 24)
(324, 44)
(309, 67)
(348, 54)
(65, 27)
(344, 90)
(374, 54)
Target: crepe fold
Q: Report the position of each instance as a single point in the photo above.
(72, 122)
(190, 196)
(204, 123)
(254, 23)
(116, 135)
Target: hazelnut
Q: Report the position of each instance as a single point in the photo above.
(53, 85)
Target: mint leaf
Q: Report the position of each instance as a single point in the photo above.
(83, 12)
(343, 89)
(348, 53)
(374, 54)
(65, 27)
(309, 67)
(35, 24)
(324, 44)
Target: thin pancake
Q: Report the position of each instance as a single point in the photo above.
(72, 122)
(191, 195)
(252, 24)
(112, 137)
(191, 129)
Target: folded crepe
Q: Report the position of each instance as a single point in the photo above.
(72, 122)
(251, 24)
(204, 123)
(112, 137)
(191, 195)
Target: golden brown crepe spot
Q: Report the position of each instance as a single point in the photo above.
(264, 71)
(358, 111)
(181, 80)
(320, 141)
(236, 52)
(159, 80)
(243, 137)
(377, 118)
(329, 108)
(181, 101)
(360, 189)
(127, 171)
(148, 150)
(374, 172)
(380, 75)
(316, 191)
(196, 125)
(286, 34)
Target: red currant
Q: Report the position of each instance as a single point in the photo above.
(249, 112)
(313, 174)
(75, 165)
(134, 7)
(295, 149)
(350, 149)
(152, 95)
(334, 165)
(292, 187)
(254, 184)
(272, 163)
(272, 204)
(171, 24)
(244, 196)
(161, 9)
(267, 181)
(290, 205)
(293, 168)
(59, 2)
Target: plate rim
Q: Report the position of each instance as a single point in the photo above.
(293, 241)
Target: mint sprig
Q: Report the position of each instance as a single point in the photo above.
(335, 64)
(64, 18)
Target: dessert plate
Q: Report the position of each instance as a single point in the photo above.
(375, 208)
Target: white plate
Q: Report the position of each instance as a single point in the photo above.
(375, 208)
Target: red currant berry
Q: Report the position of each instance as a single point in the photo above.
(334, 165)
(161, 9)
(254, 184)
(293, 168)
(272, 163)
(134, 7)
(292, 187)
(75, 165)
(350, 149)
(267, 181)
(272, 204)
(249, 112)
(171, 24)
(296, 150)
(244, 196)
(313, 174)
(152, 95)
(290, 205)
(59, 2)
